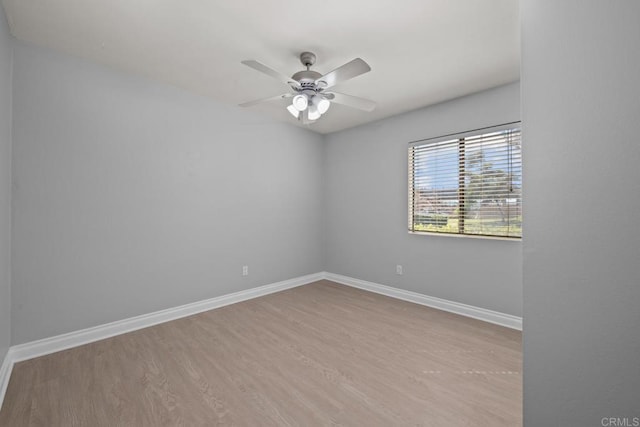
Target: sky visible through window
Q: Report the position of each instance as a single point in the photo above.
(438, 172)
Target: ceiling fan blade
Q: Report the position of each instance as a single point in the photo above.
(260, 101)
(351, 101)
(271, 72)
(345, 72)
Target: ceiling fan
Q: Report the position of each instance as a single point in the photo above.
(311, 94)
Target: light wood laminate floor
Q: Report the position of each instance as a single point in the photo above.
(320, 354)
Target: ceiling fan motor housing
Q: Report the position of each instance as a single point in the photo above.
(307, 78)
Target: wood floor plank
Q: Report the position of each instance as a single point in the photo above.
(320, 354)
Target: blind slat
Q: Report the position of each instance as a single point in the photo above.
(467, 184)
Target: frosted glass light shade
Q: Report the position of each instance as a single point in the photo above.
(322, 104)
(314, 114)
(300, 102)
(294, 111)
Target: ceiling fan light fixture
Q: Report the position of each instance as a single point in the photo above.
(300, 102)
(294, 111)
(314, 114)
(321, 103)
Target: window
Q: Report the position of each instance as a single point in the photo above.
(469, 183)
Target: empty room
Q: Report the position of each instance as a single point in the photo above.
(414, 213)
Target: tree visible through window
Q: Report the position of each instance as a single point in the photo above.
(467, 184)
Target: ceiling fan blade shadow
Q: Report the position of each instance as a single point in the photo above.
(343, 73)
(271, 98)
(271, 72)
(351, 101)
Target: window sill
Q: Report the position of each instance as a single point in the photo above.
(465, 236)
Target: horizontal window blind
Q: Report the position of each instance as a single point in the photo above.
(469, 183)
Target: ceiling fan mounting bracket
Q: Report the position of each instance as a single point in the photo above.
(308, 59)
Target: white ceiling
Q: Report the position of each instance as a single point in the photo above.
(421, 51)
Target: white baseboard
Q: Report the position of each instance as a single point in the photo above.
(20, 352)
(57, 343)
(490, 316)
(5, 374)
(85, 336)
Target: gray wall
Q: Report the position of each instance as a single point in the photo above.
(366, 209)
(131, 196)
(6, 61)
(581, 110)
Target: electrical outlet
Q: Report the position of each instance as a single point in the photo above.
(399, 269)
(245, 270)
